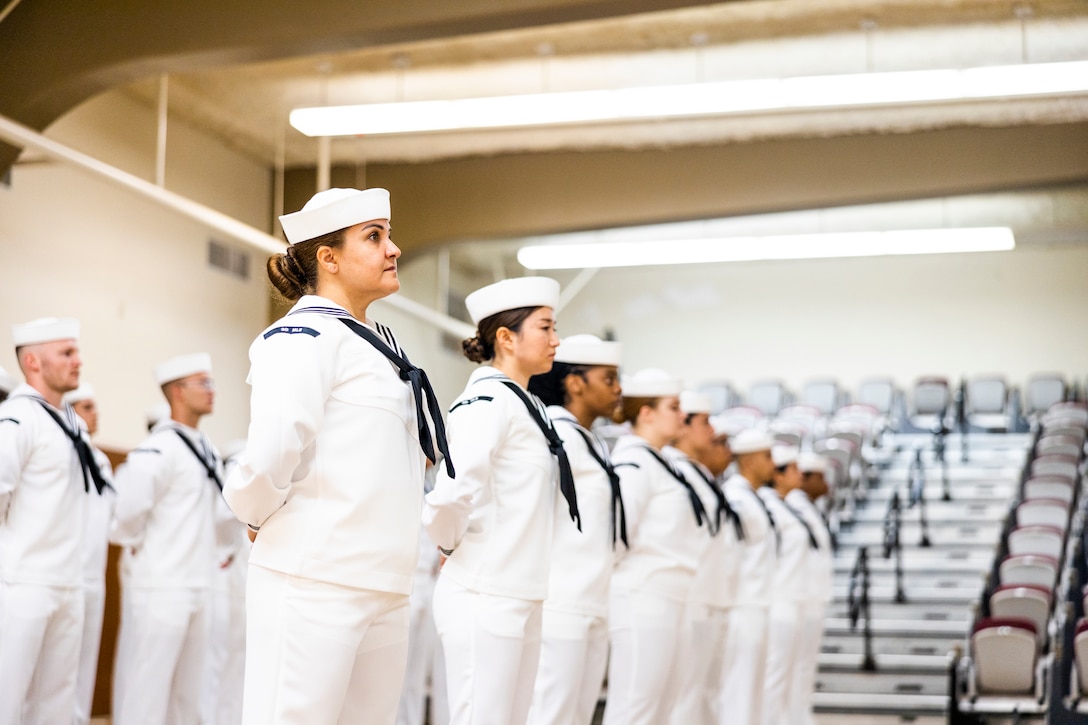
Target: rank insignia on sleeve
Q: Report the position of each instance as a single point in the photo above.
(291, 330)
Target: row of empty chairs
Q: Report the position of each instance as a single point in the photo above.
(1010, 653)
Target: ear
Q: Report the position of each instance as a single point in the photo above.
(504, 340)
(575, 384)
(328, 258)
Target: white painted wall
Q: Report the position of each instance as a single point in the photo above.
(134, 273)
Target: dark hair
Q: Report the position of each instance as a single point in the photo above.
(481, 348)
(551, 387)
(632, 406)
(294, 273)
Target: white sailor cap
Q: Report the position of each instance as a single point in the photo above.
(7, 382)
(45, 329)
(694, 402)
(512, 294)
(784, 455)
(588, 350)
(723, 425)
(85, 391)
(750, 441)
(335, 209)
(651, 383)
(155, 413)
(183, 366)
(811, 463)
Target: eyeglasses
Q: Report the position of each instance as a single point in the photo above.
(206, 383)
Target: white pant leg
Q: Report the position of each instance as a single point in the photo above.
(320, 654)
(421, 637)
(40, 632)
(492, 650)
(783, 631)
(161, 647)
(571, 668)
(803, 682)
(700, 665)
(229, 709)
(743, 667)
(440, 701)
(215, 655)
(645, 632)
(94, 608)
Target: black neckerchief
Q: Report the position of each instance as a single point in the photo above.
(555, 445)
(619, 515)
(724, 509)
(83, 452)
(209, 467)
(770, 517)
(813, 543)
(414, 376)
(696, 502)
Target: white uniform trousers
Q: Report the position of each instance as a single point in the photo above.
(424, 661)
(783, 633)
(224, 669)
(743, 668)
(492, 650)
(702, 655)
(94, 608)
(573, 659)
(40, 632)
(803, 679)
(643, 672)
(319, 653)
(160, 656)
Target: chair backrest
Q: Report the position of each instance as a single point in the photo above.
(1023, 600)
(824, 395)
(769, 396)
(788, 433)
(987, 394)
(1060, 445)
(931, 396)
(722, 395)
(741, 417)
(1053, 487)
(1055, 465)
(877, 392)
(1045, 540)
(862, 415)
(1072, 410)
(1066, 428)
(1043, 391)
(1043, 512)
(1029, 569)
(839, 454)
(1004, 651)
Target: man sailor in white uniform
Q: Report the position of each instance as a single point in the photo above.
(168, 507)
(95, 552)
(46, 475)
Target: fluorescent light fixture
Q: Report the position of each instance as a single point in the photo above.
(750, 249)
(697, 99)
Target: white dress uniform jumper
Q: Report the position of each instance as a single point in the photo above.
(706, 618)
(817, 596)
(784, 614)
(746, 642)
(166, 521)
(667, 529)
(47, 472)
(332, 476)
(574, 652)
(497, 519)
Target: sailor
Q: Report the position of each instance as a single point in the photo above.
(741, 695)
(795, 542)
(582, 387)
(7, 384)
(168, 520)
(495, 519)
(667, 529)
(331, 479)
(701, 453)
(818, 580)
(95, 551)
(46, 474)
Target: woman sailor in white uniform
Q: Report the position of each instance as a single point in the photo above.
(331, 478)
(795, 542)
(667, 529)
(495, 520)
(581, 387)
